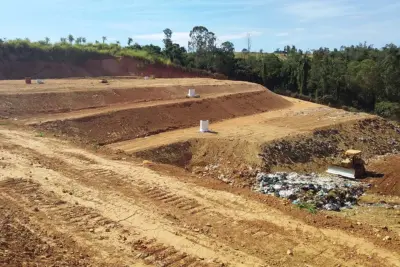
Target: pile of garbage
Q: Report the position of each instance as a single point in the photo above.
(323, 192)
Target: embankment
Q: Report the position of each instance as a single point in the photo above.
(20, 103)
(144, 121)
(124, 66)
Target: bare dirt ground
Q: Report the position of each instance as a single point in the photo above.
(389, 168)
(68, 204)
(119, 213)
(57, 96)
(301, 117)
(78, 84)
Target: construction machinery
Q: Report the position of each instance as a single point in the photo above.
(350, 166)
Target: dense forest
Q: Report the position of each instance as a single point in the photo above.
(359, 77)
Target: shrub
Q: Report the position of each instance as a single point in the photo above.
(388, 109)
(328, 100)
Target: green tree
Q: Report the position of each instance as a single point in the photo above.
(71, 38)
(390, 66)
(271, 71)
(172, 50)
(104, 38)
(203, 44)
(130, 40)
(201, 40)
(224, 60)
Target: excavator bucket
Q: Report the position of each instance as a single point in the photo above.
(346, 172)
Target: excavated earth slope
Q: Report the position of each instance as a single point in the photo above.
(19, 99)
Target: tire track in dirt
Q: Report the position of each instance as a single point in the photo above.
(23, 242)
(175, 198)
(85, 220)
(148, 226)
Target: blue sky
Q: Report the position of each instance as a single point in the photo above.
(307, 24)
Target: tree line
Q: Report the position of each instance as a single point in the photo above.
(360, 76)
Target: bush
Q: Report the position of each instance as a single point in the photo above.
(388, 110)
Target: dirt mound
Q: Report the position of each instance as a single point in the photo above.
(389, 167)
(69, 95)
(94, 68)
(139, 122)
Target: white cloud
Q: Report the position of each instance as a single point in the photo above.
(282, 34)
(315, 9)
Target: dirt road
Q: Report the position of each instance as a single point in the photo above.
(77, 208)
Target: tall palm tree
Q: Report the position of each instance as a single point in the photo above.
(104, 39)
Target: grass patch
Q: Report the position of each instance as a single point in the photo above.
(41, 134)
(307, 206)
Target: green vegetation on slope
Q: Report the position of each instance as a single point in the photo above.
(80, 51)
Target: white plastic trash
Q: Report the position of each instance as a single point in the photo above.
(38, 81)
(146, 77)
(192, 93)
(204, 126)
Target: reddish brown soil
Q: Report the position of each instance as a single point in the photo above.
(125, 214)
(23, 243)
(93, 68)
(129, 124)
(389, 167)
(18, 99)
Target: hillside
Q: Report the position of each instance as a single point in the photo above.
(111, 66)
(22, 58)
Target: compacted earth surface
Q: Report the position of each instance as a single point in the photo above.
(120, 176)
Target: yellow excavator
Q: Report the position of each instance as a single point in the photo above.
(351, 165)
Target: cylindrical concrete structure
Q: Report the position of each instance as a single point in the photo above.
(192, 93)
(204, 126)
